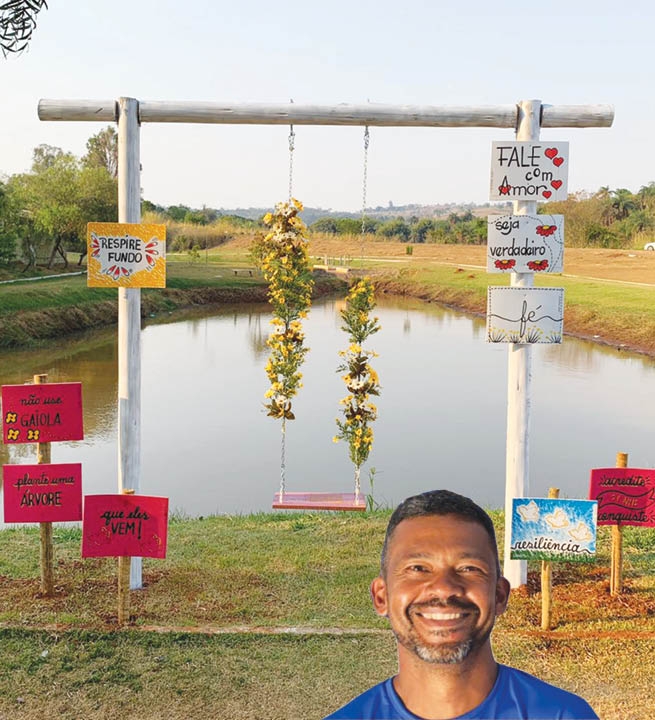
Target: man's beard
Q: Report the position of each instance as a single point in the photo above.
(441, 653)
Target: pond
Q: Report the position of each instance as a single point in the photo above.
(208, 445)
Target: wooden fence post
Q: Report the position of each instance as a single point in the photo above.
(47, 551)
(547, 581)
(616, 563)
(124, 564)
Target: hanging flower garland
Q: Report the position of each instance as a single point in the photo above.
(285, 266)
(361, 379)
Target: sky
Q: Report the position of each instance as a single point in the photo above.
(416, 52)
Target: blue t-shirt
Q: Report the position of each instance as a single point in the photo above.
(515, 694)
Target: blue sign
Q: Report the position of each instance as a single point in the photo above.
(553, 529)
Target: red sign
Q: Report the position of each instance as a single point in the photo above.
(42, 493)
(124, 526)
(626, 496)
(42, 413)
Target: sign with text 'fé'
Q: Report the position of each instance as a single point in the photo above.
(124, 526)
(126, 255)
(553, 529)
(42, 493)
(525, 243)
(626, 496)
(529, 171)
(524, 315)
(42, 413)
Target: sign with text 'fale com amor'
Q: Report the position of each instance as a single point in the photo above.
(525, 243)
(529, 171)
(126, 255)
(553, 529)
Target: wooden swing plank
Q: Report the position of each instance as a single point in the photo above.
(319, 501)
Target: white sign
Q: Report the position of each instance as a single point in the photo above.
(529, 171)
(524, 315)
(525, 243)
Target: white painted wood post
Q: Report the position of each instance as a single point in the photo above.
(519, 376)
(129, 317)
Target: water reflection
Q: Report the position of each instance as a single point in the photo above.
(208, 445)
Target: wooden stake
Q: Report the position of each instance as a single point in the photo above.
(547, 581)
(124, 564)
(47, 550)
(616, 566)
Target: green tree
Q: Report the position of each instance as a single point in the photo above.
(395, 228)
(102, 151)
(622, 202)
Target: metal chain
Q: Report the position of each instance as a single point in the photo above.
(364, 189)
(292, 144)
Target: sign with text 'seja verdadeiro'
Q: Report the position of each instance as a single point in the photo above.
(553, 529)
(42, 493)
(529, 171)
(626, 496)
(124, 526)
(525, 243)
(42, 413)
(126, 255)
(524, 315)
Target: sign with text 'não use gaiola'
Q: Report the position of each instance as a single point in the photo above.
(529, 171)
(525, 243)
(126, 255)
(553, 529)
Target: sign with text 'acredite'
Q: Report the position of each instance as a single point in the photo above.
(42, 413)
(126, 255)
(124, 526)
(42, 493)
(529, 171)
(626, 496)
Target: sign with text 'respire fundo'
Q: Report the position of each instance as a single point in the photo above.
(529, 171)
(42, 413)
(126, 255)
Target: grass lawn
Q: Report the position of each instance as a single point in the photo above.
(268, 616)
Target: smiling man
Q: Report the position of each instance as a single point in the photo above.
(441, 588)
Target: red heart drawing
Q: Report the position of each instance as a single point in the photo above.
(558, 161)
(557, 184)
(550, 152)
(547, 193)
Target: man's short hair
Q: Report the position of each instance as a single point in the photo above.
(438, 502)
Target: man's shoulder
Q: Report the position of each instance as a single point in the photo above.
(539, 696)
(376, 703)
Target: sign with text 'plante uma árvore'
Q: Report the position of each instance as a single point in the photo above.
(525, 243)
(42, 413)
(42, 493)
(553, 529)
(529, 171)
(124, 526)
(626, 496)
(126, 255)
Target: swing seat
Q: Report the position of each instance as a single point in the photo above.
(319, 501)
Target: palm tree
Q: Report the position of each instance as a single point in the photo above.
(622, 202)
(647, 195)
(17, 22)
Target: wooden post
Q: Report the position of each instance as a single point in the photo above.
(129, 317)
(47, 550)
(547, 581)
(616, 561)
(124, 565)
(519, 374)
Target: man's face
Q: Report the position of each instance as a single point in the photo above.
(441, 592)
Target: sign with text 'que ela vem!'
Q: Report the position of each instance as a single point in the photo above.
(42, 413)
(126, 255)
(124, 526)
(42, 493)
(524, 315)
(553, 529)
(626, 496)
(525, 243)
(529, 171)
